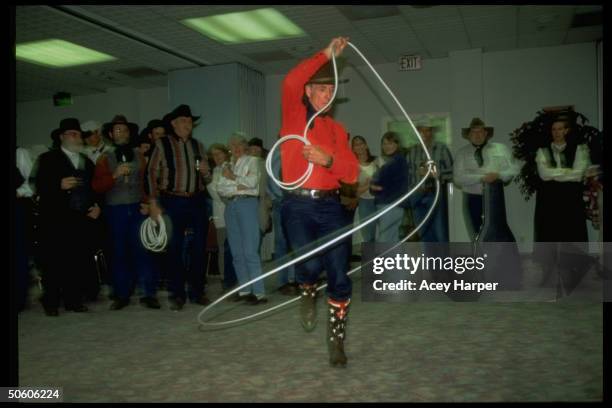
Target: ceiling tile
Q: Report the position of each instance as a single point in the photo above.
(429, 31)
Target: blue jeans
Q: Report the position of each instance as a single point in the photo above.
(183, 213)
(242, 225)
(307, 220)
(281, 246)
(130, 260)
(472, 213)
(389, 224)
(436, 227)
(366, 208)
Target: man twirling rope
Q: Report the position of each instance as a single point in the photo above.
(315, 211)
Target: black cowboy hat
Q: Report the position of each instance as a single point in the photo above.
(181, 110)
(117, 120)
(65, 125)
(70, 124)
(477, 122)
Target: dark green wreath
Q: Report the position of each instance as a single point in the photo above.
(536, 134)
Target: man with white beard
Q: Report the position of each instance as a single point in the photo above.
(67, 210)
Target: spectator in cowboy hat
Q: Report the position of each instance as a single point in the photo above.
(119, 123)
(436, 228)
(67, 207)
(119, 175)
(477, 163)
(177, 176)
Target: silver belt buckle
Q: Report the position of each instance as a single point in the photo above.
(313, 194)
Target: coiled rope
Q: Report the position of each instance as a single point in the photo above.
(153, 234)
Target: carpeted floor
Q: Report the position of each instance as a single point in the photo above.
(424, 351)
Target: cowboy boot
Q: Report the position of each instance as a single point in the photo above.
(336, 331)
(308, 306)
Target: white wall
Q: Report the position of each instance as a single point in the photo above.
(152, 104)
(229, 97)
(36, 120)
(212, 92)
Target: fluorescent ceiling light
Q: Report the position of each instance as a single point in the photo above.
(58, 54)
(246, 26)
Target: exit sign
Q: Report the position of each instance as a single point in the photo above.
(410, 63)
(62, 99)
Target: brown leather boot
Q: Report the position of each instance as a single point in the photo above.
(308, 306)
(336, 331)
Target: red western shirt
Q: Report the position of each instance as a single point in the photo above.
(326, 133)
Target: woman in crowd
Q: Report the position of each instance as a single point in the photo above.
(388, 184)
(367, 168)
(239, 187)
(221, 157)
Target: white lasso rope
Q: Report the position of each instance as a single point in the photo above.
(300, 181)
(153, 234)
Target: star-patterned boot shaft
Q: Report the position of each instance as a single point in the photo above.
(336, 331)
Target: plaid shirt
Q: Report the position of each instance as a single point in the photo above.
(174, 169)
(440, 154)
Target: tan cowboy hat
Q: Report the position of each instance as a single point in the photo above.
(477, 122)
(425, 123)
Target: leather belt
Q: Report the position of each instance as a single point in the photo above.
(177, 194)
(313, 193)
